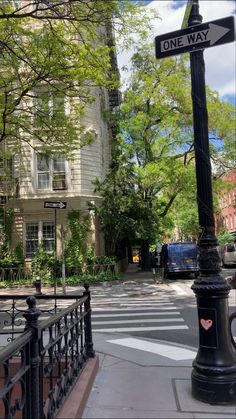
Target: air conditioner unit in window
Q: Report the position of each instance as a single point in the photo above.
(58, 184)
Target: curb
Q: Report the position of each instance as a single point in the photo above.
(75, 402)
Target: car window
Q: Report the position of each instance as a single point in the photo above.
(187, 250)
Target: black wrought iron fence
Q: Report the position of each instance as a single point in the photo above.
(22, 273)
(12, 308)
(39, 367)
(15, 274)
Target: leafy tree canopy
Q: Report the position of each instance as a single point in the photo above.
(155, 145)
(53, 53)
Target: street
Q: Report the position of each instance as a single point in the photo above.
(140, 308)
(154, 311)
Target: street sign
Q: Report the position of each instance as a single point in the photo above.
(195, 37)
(55, 204)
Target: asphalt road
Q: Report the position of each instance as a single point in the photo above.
(187, 307)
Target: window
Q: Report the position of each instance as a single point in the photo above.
(51, 173)
(6, 168)
(31, 239)
(48, 236)
(48, 105)
(39, 232)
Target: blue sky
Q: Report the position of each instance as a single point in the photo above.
(220, 61)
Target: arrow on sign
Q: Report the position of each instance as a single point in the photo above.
(213, 34)
(55, 204)
(195, 37)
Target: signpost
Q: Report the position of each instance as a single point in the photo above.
(195, 37)
(55, 205)
(214, 368)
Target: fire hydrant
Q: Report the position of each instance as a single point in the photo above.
(37, 284)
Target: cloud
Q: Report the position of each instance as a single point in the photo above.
(219, 61)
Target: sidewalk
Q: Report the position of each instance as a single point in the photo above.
(146, 386)
(139, 383)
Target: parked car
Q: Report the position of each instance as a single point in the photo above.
(229, 255)
(179, 258)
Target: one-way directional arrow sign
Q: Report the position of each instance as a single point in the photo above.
(55, 204)
(195, 37)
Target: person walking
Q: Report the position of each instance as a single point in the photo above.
(155, 265)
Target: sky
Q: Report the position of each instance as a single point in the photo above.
(220, 61)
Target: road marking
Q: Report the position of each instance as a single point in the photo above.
(139, 329)
(173, 352)
(140, 321)
(151, 313)
(97, 309)
(178, 289)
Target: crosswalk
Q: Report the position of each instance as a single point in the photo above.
(116, 313)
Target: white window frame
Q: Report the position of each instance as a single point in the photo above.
(53, 184)
(41, 238)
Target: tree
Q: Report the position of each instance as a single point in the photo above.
(156, 139)
(53, 53)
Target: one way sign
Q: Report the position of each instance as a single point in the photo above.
(195, 37)
(55, 204)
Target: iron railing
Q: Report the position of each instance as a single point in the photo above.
(22, 273)
(12, 308)
(39, 367)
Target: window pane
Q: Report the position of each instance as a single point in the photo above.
(31, 242)
(48, 236)
(58, 104)
(42, 163)
(48, 230)
(59, 164)
(48, 245)
(32, 231)
(43, 180)
(30, 248)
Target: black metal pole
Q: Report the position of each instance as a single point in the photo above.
(55, 251)
(90, 353)
(31, 315)
(214, 368)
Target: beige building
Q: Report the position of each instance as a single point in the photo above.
(42, 179)
(35, 178)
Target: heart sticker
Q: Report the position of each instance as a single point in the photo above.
(206, 324)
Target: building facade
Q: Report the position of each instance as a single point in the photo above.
(43, 178)
(34, 178)
(226, 218)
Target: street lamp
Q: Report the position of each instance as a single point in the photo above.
(214, 368)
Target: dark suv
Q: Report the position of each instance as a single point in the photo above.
(179, 258)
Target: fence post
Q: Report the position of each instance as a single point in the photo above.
(90, 353)
(31, 315)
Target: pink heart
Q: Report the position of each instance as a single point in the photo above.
(206, 324)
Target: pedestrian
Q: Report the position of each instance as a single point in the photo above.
(154, 265)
